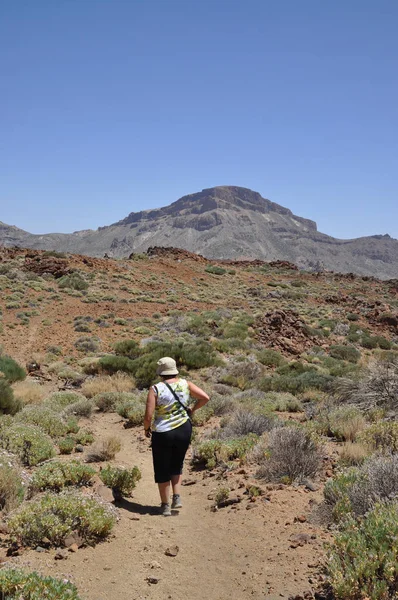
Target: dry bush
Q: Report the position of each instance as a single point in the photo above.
(241, 374)
(346, 423)
(82, 408)
(105, 450)
(28, 392)
(293, 455)
(120, 382)
(221, 405)
(378, 388)
(11, 487)
(342, 422)
(353, 453)
(258, 454)
(244, 422)
(357, 490)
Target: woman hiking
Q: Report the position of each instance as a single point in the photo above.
(169, 401)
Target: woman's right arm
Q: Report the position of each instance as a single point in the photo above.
(200, 396)
(149, 410)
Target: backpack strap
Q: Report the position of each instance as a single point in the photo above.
(178, 400)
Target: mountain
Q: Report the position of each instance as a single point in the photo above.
(224, 222)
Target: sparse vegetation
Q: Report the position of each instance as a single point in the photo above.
(54, 516)
(288, 358)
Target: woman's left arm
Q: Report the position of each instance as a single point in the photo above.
(150, 409)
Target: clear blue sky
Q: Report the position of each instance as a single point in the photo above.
(114, 106)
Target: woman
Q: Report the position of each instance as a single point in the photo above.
(169, 400)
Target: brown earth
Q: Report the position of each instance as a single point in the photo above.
(241, 551)
(176, 281)
(248, 550)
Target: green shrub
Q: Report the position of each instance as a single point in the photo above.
(270, 358)
(121, 480)
(194, 355)
(133, 410)
(336, 492)
(215, 270)
(113, 364)
(129, 348)
(108, 401)
(234, 330)
(5, 422)
(295, 368)
(16, 584)
(296, 384)
(9, 405)
(66, 445)
(84, 437)
(222, 494)
(54, 254)
(202, 416)
(289, 405)
(381, 436)
(73, 281)
(362, 561)
(352, 317)
(369, 342)
(28, 442)
(339, 368)
(45, 418)
(58, 401)
(383, 342)
(11, 370)
(54, 516)
(349, 353)
(71, 424)
(211, 453)
(56, 475)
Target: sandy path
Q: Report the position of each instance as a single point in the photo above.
(231, 553)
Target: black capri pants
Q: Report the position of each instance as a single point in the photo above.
(168, 451)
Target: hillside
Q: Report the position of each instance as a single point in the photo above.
(267, 465)
(225, 223)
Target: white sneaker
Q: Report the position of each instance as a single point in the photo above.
(165, 509)
(176, 501)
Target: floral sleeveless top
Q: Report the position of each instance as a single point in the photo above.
(169, 414)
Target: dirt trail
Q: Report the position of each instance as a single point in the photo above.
(232, 553)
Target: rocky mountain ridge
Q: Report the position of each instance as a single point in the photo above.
(225, 222)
